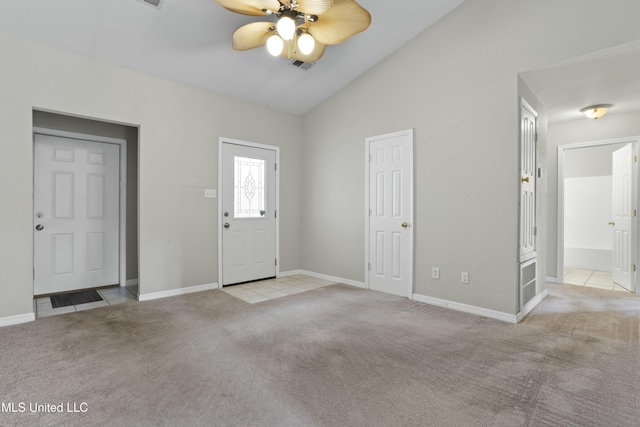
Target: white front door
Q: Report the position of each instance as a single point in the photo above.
(249, 213)
(76, 214)
(622, 196)
(390, 225)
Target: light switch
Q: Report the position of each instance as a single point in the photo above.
(209, 193)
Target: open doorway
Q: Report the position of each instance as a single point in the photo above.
(597, 232)
(98, 144)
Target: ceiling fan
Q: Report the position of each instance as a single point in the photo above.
(303, 29)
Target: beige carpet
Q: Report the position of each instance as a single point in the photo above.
(334, 356)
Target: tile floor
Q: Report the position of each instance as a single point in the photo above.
(591, 279)
(264, 290)
(110, 296)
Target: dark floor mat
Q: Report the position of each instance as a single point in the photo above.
(75, 298)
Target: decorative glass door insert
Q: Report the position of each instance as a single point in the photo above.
(249, 187)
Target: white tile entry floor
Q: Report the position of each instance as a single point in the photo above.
(264, 290)
(591, 279)
(110, 296)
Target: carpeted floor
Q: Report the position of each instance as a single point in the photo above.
(334, 356)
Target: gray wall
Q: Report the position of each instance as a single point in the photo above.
(128, 133)
(178, 157)
(456, 84)
(612, 126)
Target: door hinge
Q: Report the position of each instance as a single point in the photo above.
(275, 166)
(276, 262)
(370, 158)
(634, 213)
(275, 215)
(634, 159)
(535, 231)
(535, 138)
(369, 266)
(633, 267)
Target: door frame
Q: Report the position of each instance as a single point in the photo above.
(367, 218)
(635, 194)
(122, 257)
(221, 142)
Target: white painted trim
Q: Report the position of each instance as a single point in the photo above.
(553, 280)
(122, 145)
(635, 245)
(177, 292)
(333, 278)
(16, 320)
(221, 141)
(289, 273)
(132, 282)
(367, 220)
(471, 309)
(531, 305)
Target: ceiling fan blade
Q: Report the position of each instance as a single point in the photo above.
(316, 54)
(315, 7)
(252, 35)
(250, 7)
(347, 18)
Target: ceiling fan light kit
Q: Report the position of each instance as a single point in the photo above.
(307, 26)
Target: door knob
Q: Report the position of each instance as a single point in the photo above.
(405, 224)
(262, 213)
(226, 225)
(612, 223)
(39, 227)
(525, 179)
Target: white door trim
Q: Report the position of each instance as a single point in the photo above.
(123, 185)
(635, 245)
(367, 220)
(221, 141)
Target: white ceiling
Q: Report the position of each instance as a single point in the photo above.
(610, 76)
(190, 41)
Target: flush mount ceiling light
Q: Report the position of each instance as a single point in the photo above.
(303, 28)
(595, 111)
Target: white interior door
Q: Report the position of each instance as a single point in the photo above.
(622, 196)
(76, 214)
(390, 233)
(249, 213)
(527, 183)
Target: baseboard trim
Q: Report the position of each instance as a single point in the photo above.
(552, 280)
(531, 305)
(132, 282)
(333, 278)
(471, 309)
(177, 292)
(16, 320)
(288, 273)
(323, 277)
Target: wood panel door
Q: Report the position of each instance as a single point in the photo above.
(76, 214)
(528, 139)
(390, 225)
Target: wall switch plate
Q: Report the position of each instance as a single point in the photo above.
(464, 277)
(209, 193)
(435, 273)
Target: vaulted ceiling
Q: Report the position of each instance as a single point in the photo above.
(190, 41)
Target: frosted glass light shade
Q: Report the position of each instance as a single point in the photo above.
(306, 43)
(286, 28)
(275, 45)
(595, 111)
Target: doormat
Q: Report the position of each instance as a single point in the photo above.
(75, 298)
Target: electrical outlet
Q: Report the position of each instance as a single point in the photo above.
(464, 277)
(209, 194)
(435, 273)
